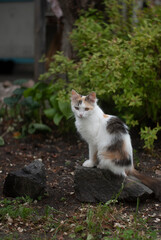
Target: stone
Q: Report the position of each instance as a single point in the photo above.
(158, 172)
(6, 90)
(30, 83)
(100, 185)
(7, 84)
(28, 181)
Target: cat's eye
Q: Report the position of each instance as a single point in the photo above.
(86, 109)
(77, 108)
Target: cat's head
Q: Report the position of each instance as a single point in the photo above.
(83, 106)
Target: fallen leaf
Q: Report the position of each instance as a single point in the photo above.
(10, 220)
(16, 134)
(157, 220)
(20, 229)
(158, 172)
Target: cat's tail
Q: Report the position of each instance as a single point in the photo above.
(153, 183)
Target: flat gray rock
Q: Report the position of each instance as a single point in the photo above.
(28, 181)
(100, 185)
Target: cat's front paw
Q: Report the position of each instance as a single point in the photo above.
(88, 163)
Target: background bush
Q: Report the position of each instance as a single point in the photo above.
(120, 61)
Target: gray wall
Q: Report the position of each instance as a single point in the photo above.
(17, 29)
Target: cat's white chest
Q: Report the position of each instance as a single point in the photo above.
(88, 129)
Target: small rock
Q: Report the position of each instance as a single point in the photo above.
(7, 84)
(30, 83)
(157, 220)
(158, 172)
(20, 229)
(28, 181)
(6, 90)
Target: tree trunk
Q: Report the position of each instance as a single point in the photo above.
(71, 10)
(40, 37)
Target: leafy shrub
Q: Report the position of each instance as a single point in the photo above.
(29, 106)
(149, 135)
(123, 67)
(25, 111)
(128, 71)
(51, 106)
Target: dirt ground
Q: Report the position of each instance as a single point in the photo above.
(61, 155)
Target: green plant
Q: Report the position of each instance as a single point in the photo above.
(149, 136)
(18, 209)
(23, 109)
(10, 237)
(102, 221)
(106, 221)
(53, 106)
(125, 71)
(9, 129)
(1, 141)
(136, 158)
(122, 66)
(59, 109)
(15, 103)
(22, 213)
(26, 106)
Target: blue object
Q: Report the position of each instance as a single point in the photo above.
(18, 60)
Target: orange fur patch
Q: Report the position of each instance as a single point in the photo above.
(87, 104)
(111, 155)
(105, 115)
(116, 155)
(95, 158)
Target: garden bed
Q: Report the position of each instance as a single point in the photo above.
(59, 215)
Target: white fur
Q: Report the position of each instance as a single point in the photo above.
(92, 127)
(88, 163)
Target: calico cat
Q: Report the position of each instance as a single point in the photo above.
(108, 139)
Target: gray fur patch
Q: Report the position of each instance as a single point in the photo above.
(79, 102)
(116, 146)
(116, 126)
(122, 162)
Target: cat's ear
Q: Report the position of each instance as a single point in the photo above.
(91, 97)
(74, 95)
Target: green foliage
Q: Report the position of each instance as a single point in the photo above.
(33, 127)
(149, 135)
(17, 106)
(27, 106)
(128, 71)
(104, 221)
(10, 237)
(18, 209)
(1, 141)
(122, 65)
(59, 109)
(53, 106)
(17, 94)
(31, 105)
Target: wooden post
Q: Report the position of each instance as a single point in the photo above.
(40, 37)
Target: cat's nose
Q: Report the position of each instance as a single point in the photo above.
(80, 115)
